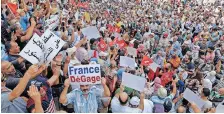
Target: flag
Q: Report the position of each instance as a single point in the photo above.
(13, 8)
(122, 44)
(83, 5)
(146, 61)
(102, 45)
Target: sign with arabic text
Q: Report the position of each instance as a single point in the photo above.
(42, 49)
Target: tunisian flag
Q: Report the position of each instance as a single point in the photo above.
(146, 61)
(122, 44)
(13, 8)
(102, 45)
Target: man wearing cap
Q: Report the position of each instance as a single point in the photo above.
(162, 94)
(84, 98)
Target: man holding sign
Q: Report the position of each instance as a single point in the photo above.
(85, 98)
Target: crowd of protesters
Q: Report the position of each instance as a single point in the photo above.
(185, 38)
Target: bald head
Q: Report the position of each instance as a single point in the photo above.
(181, 109)
(221, 91)
(123, 98)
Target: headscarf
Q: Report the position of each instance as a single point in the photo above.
(157, 84)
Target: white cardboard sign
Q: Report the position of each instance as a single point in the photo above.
(154, 66)
(65, 13)
(132, 51)
(84, 74)
(134, 82)
(52, 23)
(32, 52)
(192, 97)
(42, 49)
(91, 32)
(127, 62)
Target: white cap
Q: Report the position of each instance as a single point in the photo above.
(70, 51)
(162, 92)
(135, 101)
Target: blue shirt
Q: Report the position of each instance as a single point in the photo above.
(24, 22)
(3, 53)
(82, 104)
(157, 100)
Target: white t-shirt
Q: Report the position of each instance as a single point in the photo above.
(116, 106)
(148, 106)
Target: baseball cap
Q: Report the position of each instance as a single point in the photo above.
(135, 101)
(162, 92)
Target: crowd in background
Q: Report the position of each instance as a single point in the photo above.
(184, 37)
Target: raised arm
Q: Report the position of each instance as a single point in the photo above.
(63, 99)
(141, 105)
(29, 32)
(106, 89)
(17, 91)
(35, 95)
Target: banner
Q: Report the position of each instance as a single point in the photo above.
(42, 49)
(91, 32)
(52, 23)
(134, 82)
(85, 74)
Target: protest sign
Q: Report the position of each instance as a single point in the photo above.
(154, 66)
(52, 44)
(134, 82)
(52, 23)
(132, 51)
(91, 32)
(65, 13)
(77, 16)
(32, 52)
(127, 61)
(85, 74)
(192, 97)
(42, 49)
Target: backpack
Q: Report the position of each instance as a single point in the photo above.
(158, 108)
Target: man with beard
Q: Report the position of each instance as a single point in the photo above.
(84, 98)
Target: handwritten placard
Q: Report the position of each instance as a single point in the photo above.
(53, 44)
(85, 74)
(91, 32)
(134, 82)
(33, 51)
(42, 49)
(52, 23)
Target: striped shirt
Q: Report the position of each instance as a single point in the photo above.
(82, 104)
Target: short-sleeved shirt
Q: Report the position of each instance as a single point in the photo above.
(157, 100)
(18, 105)
(81, 104)
(116, 106)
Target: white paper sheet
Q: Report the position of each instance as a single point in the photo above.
(192, 97)
(127, 62)
(91, 32)
(134, 82)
